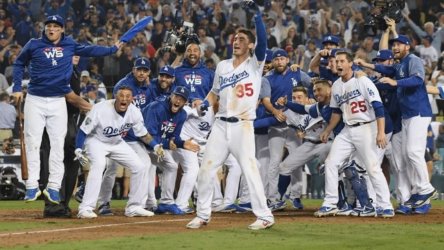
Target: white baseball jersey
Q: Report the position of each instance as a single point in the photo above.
(197, 127)
(354, 98)
(312, 127)
(238, 88)
(108, 126)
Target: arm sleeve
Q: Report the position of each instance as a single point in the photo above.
(152, 124)
(379, 109)
(80, 138)
(386, 70)
(312, 110)
(177, 139)
(296, 107)
(265, 122)
(370, 90)
(19, 67)
(216, 82)
(416, 73)
(94, 50)
(412, 81)
(305, 80)
(265, 88)
(90, 121)
(261, 38)
(138, 127)
(336, 110)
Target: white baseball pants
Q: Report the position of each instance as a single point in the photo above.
(41, 112)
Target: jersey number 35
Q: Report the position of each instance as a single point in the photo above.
(245, 89)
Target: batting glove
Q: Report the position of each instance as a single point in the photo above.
(203, 108)
(249, 5)
(158, 151)
(80, 156)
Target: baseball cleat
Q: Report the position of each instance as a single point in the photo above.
(52, 195)
(32, 194)
(403, 209)
(244, 207)
(297, 203)
(424, 198)
(197, 223)
(277, 206)
(345, 210)
(138, 212)
(105, 210)
(388, 213)
(169, 209)
(364, 212)
(188, 210)
(325, 211)
(229, 209)
(86, 214)
(262, 223)
(423, 209)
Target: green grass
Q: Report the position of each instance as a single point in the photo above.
(286, 235)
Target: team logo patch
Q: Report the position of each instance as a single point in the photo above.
(87, 121)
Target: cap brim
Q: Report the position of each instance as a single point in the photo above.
(164, 73)
(142, 67)
(182, 95)
(51, 21)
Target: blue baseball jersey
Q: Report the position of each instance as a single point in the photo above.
(411, 90)
(283, 84)
(50, 65)
(392, 112)
(139, 98)
(261, 113)
(198, 79)
(162, 124)
(155, 93)
(325, 111)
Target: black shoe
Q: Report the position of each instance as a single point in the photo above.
(56, 211)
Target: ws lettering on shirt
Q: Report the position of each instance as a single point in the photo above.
(354, 98)
(50, 65)
(104, 123)
(162, 124)
(238, 88)
(139, 91)
(198, 79)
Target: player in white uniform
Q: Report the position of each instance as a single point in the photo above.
(237, 83)
(103, 129)
(357, 101)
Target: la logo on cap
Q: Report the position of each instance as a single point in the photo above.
(181, 90)
(379, 53)
(329, 38)
(54, 18)
(165, 68)
(143, 61)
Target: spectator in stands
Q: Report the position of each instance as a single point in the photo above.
(8, 116)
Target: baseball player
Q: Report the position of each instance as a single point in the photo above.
(357, 101)
(416, 114)
(164, 121)
(237, 85)
(138, 81)
(161, 88)
(282, 80)
(50, 66)
(100, 136)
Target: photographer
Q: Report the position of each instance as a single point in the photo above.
(7, 117)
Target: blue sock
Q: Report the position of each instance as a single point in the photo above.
(284, 181)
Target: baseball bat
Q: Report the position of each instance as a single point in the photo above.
(23, 160)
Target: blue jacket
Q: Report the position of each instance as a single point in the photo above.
(50, 66)
(283, 84)
(198, 79)
(411, 90)
(162, 124)
(155, 93)
(139, 92)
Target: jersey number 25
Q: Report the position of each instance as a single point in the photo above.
(358, 107)
(245, 89)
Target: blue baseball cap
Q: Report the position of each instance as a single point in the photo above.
(142, 62)
(55, 19)
(331, 39)
(280, 52)
(401, 39)
(384, 54)
(428, 38)
(167, 70)
(268, 55)
(182, 91)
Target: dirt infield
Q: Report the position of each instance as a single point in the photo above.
(120, 226)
